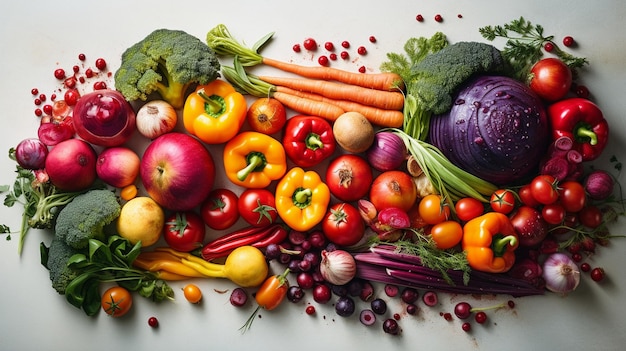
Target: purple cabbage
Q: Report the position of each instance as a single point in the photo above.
(497, 130)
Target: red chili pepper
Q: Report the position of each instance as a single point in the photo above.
(308, 140)
(259, 238)
(583, 122)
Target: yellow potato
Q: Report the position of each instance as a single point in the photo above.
(141, 219)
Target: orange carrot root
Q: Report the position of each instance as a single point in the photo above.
(308, 106)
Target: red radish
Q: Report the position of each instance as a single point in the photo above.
(71, 165)
(118, 166)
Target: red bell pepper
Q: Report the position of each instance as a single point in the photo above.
(308, 140)
(583, 122)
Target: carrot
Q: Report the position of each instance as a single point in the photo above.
(378, 81)
(377, 116)
(309, 106)
(377, 98)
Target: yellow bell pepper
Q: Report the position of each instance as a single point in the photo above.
(254, 160)
(490, 241)
(214, 112)
(302, 199)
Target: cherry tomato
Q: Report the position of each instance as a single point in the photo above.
(192, 293)
(572, 196)
(551, 78)
(393, 189)
(433, 209)
(343, 224)
(553, 213)
(590, 216)
(267, 116)
(446, 234)
(257, 207)
(503, 201)
(468, 208)
(544, 189)
(220, 210)
(184, 231)
(349, 177)
(116, 301)
(526, 196)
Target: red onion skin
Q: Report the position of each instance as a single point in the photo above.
(387, 152)
(31, 153)
(497, 130)
(599, 185)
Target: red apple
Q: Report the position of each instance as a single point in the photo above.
(177, 171)
(118, 166)
(71, 165)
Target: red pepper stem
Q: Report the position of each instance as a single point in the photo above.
(212, 106)
(499, 244)
(586, 133)
(314, 142)
(254, 161)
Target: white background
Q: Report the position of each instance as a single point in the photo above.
(36, 37)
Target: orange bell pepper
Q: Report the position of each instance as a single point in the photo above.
(254, 160)
(489, 242)
(302, 199)
(215, 112)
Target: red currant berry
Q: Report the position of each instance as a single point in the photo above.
(466, 327)
(75, 68)
(419, 18)
(480, 317)
(582, 91)
(332, 56)
(59, 73)
(345, 44)
(296, 48)
(38, 112)
(101, 64)
(81, 79)
(362, 69)
(344, 55)
(585, 267)
(42, 97)
(577, 257)
(329, 46)
(447, 316)
(548, 47)
(88, 73)
(34, 91)
(99, 85)
(70, 82)
(153, 322)
(53, 97)
(511, 303)
(71, 97)
(47, 109)
(310, 309)
(438, 18)
(459, 16)
(597, 274)
(568, 41)
(323, 60)
(82, 57)
(37, 102)
(361, 50)
(372, 39)
(310, 44)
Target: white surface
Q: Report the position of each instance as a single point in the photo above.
(35, 36)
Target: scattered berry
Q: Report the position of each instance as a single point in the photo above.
(329, 46)
(310, 44)
(38, 112)
(332, 56)
(480, 317)
(47, 109)
(99, 85)
(511, 303)
(101, 64)
(362, 69)
(34, 91)
(372, 39)
(597, 274)
(76, 69)
(37, 101)
(419, 18)
(153, 322)
(361, 50)
(42, 97)
(82, 57)
(438, 18)
(296, 48)
(568, 41)
(466, 327)
(88, 73)
(548, 47)
(459, 16)
(344, 55)
(585, 267)
(310, 309)
(463, 310)
(59, 73)
(323, 60)
(345, 44)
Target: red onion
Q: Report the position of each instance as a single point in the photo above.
(387, 152)
(599, 185)
(560, 273)
(31, 153)
(337, 267)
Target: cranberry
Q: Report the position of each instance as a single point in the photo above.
(332, 56)
(88, 73)
(75, 68)
(81, 79)
(37, 101)
(99, 85)
(42, 97)
(577, 257)
(70, 82)
(466, 327)
(38, 112)
(296, 48)
(585, 267)
(411, 308)
(361, 50)
(47, 109)
(322, 293)
(438, 18)
(597, 274)
(447, 316)
(153, 322)
(362, 69)
(582, 91)
(463, 310)
(310, 44)
(548, 47)
(53, 97)
(329, 46)
(480, 317)
(82, 57)
(390, 326)
(101, 64)
(59, 73)
(372, 39)
(568, 41)
(345, 44)
(310, 309)
(419, 18)
(344, 55)
(34, 91)
(459, 16)
(323, 60)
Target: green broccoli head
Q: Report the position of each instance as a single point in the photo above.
(59, 254)
(86, 216)
(167, 62)
(438, 76)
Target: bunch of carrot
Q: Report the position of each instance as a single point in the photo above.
(320, 91)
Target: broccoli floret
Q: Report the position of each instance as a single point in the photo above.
(56, 260)
(437, 77)
(86, 216)
(168, 62)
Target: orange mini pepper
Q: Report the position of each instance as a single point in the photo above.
(302, 199)
(489, 242)
(215, 112)
(254, 160)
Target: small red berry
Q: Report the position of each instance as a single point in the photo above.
(310, 44)
(42, 97)
(372, 39)
(419, 18)
(323, 60)
(70, 82)
(310, 309)
(568, 41)
(71, 97)
(597, 274)
(480, 317)
(438, 18)
(88, 73)
(582, 91)
(345, 44)
(38, 112)
(81, 79)
(585, 267)
(361, 50)
(459, 16)
(82, 57)
(53, 97)
(548, 47)
(37, 101)
(332, 56)
(34, 91)
(153, 322)
(577, 257)
(362, 69)
(75, 68)
(99, 85)
(344, 55)
(296, 48)
(101, 64)
(329, 46)
(59, 73)
(511, 303)
(466, 327)
(47, 109)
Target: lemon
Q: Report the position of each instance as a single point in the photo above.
(141, 219)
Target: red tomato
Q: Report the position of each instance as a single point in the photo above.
(258, 207)
(393, 189)
(526, 196)
(503, 201)
(572, 196)
(544, 189)
(343, 224)
(219, 211)
(184, 231)
(267, 116)
(349, 177)
(447, 234)
(553, 213)
(433, 209)
(590, 217)
(116, 301)
(468, 208)
(551, 79)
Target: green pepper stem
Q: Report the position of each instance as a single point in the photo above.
(212, 106)
(253, 162)
(314, 142)
(500, 243)
(586, 133)
(302, 197)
